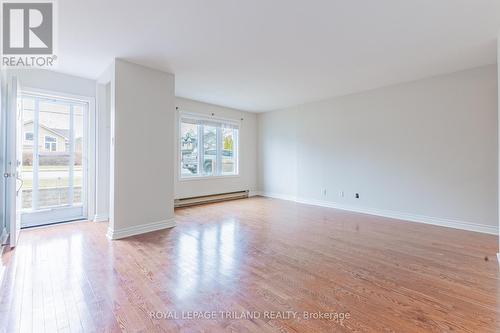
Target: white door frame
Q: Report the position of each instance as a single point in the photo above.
(13, 162)
(90, 144)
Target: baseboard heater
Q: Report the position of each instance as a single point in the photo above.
(204, 199)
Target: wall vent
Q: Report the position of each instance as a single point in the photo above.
(185, 202)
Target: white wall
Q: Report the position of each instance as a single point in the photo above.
(277, 147)
(247, 179)
(142, 150)
(103, 132)
(498, 114)
(425, 150)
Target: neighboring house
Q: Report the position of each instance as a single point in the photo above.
(49, 139)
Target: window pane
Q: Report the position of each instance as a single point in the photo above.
(54, 155)
(28, 105)
(189, 149)
(209, 150)
(228, 151)
(78, 111)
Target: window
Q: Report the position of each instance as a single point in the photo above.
(50, 143)
(28, 136)
(208, 147)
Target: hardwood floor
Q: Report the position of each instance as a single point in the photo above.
(263, 256)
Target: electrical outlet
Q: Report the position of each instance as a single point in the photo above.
(356, 195)
(341, 194)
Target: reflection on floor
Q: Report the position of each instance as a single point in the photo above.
(254, 265)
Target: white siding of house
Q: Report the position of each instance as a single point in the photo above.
(42, 133)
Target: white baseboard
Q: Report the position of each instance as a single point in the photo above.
(101, 218)
(140, 229)
(443, 222)
(277, 196)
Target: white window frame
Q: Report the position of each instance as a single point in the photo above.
(218, 172)
(52, 144)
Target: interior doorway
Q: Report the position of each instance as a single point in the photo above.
(54, 166)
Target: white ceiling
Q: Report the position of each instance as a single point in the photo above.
(260, 55)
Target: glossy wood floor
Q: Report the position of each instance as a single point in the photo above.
(258, 255)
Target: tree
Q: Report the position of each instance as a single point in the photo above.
(228, 143)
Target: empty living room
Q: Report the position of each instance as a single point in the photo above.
(249, 166)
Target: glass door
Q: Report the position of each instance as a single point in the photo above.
(53, 164)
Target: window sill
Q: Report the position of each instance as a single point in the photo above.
(189, 179)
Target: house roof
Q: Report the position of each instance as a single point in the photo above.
(61, 132)
(58, 131)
